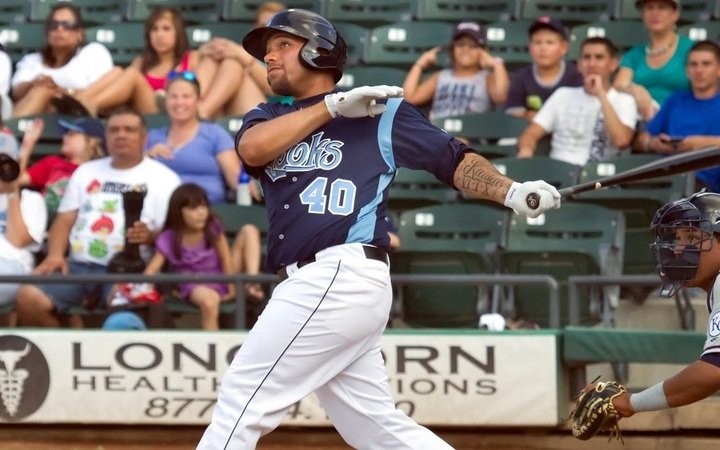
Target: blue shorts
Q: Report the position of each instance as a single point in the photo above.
(67, 295)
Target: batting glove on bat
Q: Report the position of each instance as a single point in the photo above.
(516, 198)
(360, 102)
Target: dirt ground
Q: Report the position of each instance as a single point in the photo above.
(184, 438)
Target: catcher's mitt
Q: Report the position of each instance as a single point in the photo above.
(594, 411)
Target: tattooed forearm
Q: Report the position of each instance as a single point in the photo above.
(476, 177)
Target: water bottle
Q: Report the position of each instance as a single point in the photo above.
(243, 189)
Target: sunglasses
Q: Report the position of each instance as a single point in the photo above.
(65, 24)
(187, 76)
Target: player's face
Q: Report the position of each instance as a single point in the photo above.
(595, 59)
(182, 100)
(547, 48)
(163, 34)
(125, 137)
(692, 238)
(195, 217)
(284, 70)
(703, 70)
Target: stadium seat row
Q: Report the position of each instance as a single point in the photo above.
(398, 44)
(364, 11)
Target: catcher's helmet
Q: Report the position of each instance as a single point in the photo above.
(324, 49)
(684, 229)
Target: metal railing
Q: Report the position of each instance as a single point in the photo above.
(238, 280)
(574, 282)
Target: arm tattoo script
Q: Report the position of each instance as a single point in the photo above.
(476, 177)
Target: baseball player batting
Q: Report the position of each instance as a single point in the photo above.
(326, 164)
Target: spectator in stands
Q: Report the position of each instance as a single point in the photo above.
(199, 152)
(67, 62)
(82, 141)
(589, 122)
(652, 72)
(23, 220)
(90, 219)
(239, 81)
(193, 241)
(531, 86)
(5, 77)
(475, 82)
(689, 120)
(141, 85)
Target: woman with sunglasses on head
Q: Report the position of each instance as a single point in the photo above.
(66, 62)
(475, 82)
(141, 84)
(199, 152)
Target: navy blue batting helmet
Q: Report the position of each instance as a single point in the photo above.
(676, 253)
(325, 49)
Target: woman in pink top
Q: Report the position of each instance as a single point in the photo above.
(166, 49)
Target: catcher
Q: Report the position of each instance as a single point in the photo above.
(687, 252)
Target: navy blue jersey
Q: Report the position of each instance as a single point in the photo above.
(331, 188)
(527, 94)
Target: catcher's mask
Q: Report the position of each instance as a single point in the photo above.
(683, 230)
(325, 49)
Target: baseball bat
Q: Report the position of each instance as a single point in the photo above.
(683, 162)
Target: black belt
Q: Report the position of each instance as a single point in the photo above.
(371, 252)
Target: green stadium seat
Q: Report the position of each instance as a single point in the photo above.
(416, 188)
(560, 174)
(14, 11)
(125, 41)
(401, 44)
(231, 123)
(234, 216)
(460, 10)
(637, 201)
(93, 11)
(370, 12)
(20, 39)
(492, 134)
(202, 33)
(193, 11)
(509, 41)
(623, 33)
(371, 75)
(245, 10)
(441, 240)
(157, 120)
(700, 31)
(50, 132)
(570, 12)
(691, 11)
(577, 239)
(356, 37)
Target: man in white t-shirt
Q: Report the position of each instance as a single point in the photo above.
(587, 123)
(91, 220)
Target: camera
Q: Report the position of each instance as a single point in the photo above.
(9, 168)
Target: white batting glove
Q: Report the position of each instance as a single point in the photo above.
(517, 195)
(360, 102)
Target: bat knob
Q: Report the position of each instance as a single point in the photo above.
(532, 201)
